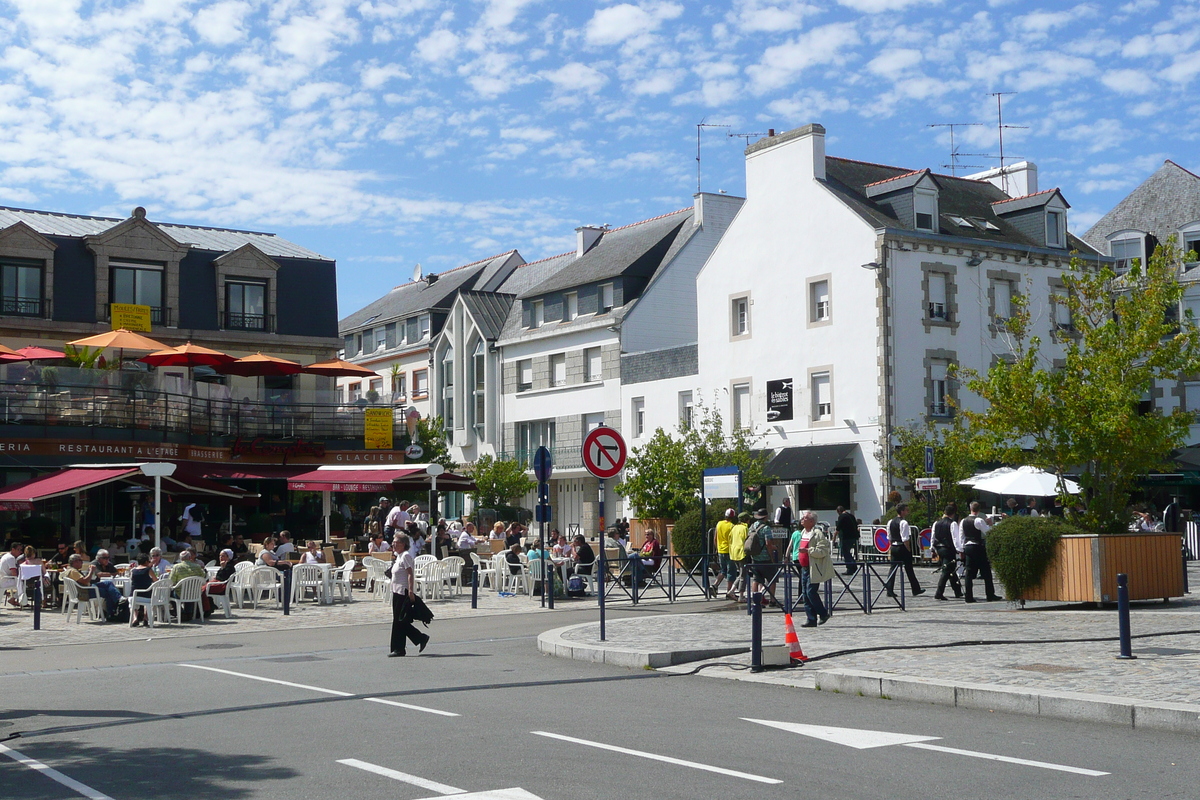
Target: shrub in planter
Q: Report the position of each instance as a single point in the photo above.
(1021, 549)
(687, 538)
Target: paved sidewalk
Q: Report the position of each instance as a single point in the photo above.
(1043, 674)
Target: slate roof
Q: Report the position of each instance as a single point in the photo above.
(220, 240)
(423, 295)
(489, 310)
(638, 249)
(957, 197)
(1164, 202)
(525, 276)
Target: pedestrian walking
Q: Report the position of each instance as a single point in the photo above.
(403, 595)
(737, 554)
(847, 534)
(900, 552)
(812, 552)
(783, 515)
(760, 549)
(975, 554)
(725, 564)
(944, 535)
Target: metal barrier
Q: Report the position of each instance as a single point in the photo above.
(1191, 541)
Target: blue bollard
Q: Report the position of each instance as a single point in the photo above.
(474, 586)
(600, 587)
(1123, 616)
(287, 592)
(756, 633)
(37, 604)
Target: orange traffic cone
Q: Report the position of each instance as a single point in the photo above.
(792, 640)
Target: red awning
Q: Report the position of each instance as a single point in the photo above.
(21, 496)
(351, 480)
(249, 472)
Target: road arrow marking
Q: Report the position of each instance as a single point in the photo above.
(53, 774)
(397, 775)
(865, 740)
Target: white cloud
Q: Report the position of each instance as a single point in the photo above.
(1128, 81)
(1099, 135)
(890, 63)
(576, 77)
(439, 46)
(782, 64)
(769, 16)
(879, 6)
(616, 24)
(1184, 69)
(528, 134)
(222, 24)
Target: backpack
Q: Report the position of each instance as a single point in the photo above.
(756, 542)
(575, 587)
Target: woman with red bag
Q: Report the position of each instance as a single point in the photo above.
(806, 544)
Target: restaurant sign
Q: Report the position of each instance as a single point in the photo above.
(130, 316)
(377, 428)
(252, 451)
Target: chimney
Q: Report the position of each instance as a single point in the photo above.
(586, 236)
(1015, 180)
(799, 152)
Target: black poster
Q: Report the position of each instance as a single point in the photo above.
(779, 400)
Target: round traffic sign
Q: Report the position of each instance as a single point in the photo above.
(604, 452)
(926, 538)
(882, 542)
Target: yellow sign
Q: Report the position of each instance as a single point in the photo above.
(377, 428)
(130, 317)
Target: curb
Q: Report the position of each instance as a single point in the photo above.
(553, 643)
(1124, 711)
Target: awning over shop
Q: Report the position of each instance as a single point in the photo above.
(807, 464)
(21, 496)
(250, 472)
(411, 477)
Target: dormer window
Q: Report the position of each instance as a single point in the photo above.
(925, 208)
(606, 298)
(537, 314)
(1189, 241)
(1125, 248)
(1056, 229)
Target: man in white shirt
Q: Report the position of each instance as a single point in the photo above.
(9, 567)
(396, 519)
(467, 538)
(285, 545)
(900, 552)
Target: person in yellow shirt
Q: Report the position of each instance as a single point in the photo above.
(724, 565)
(737, 553)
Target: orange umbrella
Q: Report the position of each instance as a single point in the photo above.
(120, 339)
(338, 368)
(188, 355)
(258, 364)
(8, 354)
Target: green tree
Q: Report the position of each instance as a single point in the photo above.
(431, 436)
(1086, 411)
(952, 457)
(663, 476)
(499, 482)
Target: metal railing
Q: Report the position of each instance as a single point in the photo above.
(25, 307)
(563, 457)
(249, 322)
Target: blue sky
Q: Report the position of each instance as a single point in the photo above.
(388, 132)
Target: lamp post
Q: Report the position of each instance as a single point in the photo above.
(433, 470)
(157, 470)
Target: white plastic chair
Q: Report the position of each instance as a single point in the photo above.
(158, 601)
(589, 577)
(376, 580)
(238, 588)
(266, 580)
(222, 600)
(452, 568)
(187, 593)
(487, 574)
(307, 577)
(428, 577)
(76, 597)
(520, 582)
(421, 561)
(341, 581)
(500, 567)
(243, 566)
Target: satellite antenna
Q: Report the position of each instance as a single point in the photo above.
(416, 273)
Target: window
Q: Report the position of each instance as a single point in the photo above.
(479, 385)
(376, 386)
(1062, 312)
(22, 288)
(822, 399)
(423, 326)
(687, 410)
(740, 401)
(537, 314)
(592, 364)
(420, 383)
(1055, 229)
(448, 389)
(399, 386)
(353, 392)
(389, 335)
(1191, 396)
(1191, 244)
(939, 407)
(638, 417)
(570, 306)
(558, 369)
(141, 284)
(818, 301)
(246, 305)
(532, 435)
(524, 374)
(351, 346)
(1003, 293)
(739, 317)
(937, 297)
(367, 338)
(606, 298)
(925, 207)
(1125, 251)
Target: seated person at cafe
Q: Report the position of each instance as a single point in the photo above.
(649, 557)
(105, 568)
(378, 545)
(513, 557)
(158, 565)
(92, 586)
(285, 545)
(216, 585)
(514, 535)
(466, 539)
(497, 532)
(313, 554)
(80, 550)
(562, 548)
(141, 578)
(268, 557)
(585, 559)
(442, 539)
(31, 559)
(9, 565)
(239, 547)
(186, 568)
(61, 555)
(186, 543)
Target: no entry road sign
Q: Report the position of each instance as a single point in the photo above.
(604, 452)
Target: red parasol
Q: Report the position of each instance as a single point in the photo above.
(35, 353)
(188, 355)
(260, 365)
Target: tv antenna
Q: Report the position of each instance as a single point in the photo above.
(747, 136)
(699, 127)
(954, 166)
(1000, 126)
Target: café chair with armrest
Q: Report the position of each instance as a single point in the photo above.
(76, 597)
(188, 594)
(487, 575)
(341, 581)
(156, 603)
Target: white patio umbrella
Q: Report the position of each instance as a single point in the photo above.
(1025, 481)
(996, 473)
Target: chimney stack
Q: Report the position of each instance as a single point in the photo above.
(586, 237)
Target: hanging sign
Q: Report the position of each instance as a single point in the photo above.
(130, 316)
(377, 428)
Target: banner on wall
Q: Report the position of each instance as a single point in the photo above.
(377, 428)
(779, 400)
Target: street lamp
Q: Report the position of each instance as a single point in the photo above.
(158, 470)
(433, 470)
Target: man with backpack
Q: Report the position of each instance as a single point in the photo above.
(761, 552)
(900, 552)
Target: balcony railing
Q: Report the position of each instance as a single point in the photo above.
(561, 457)
(249, 322)
(25, 307)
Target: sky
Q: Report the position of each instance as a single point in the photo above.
(386, 133)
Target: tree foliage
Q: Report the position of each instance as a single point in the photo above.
(1021, 549)
(500, 482)
(663, 476)
(953, 458)
(1085, 413)
(431, 436)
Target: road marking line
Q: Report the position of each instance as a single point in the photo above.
(53, 774)
(409, 705)
(423, 783)
(654, 757)
(269, 680)
(1006, 759)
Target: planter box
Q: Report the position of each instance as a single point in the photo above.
(1085, 568)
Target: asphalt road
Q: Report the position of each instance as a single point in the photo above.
(482, 711)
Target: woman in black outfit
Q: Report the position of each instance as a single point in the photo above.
(140, 580)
